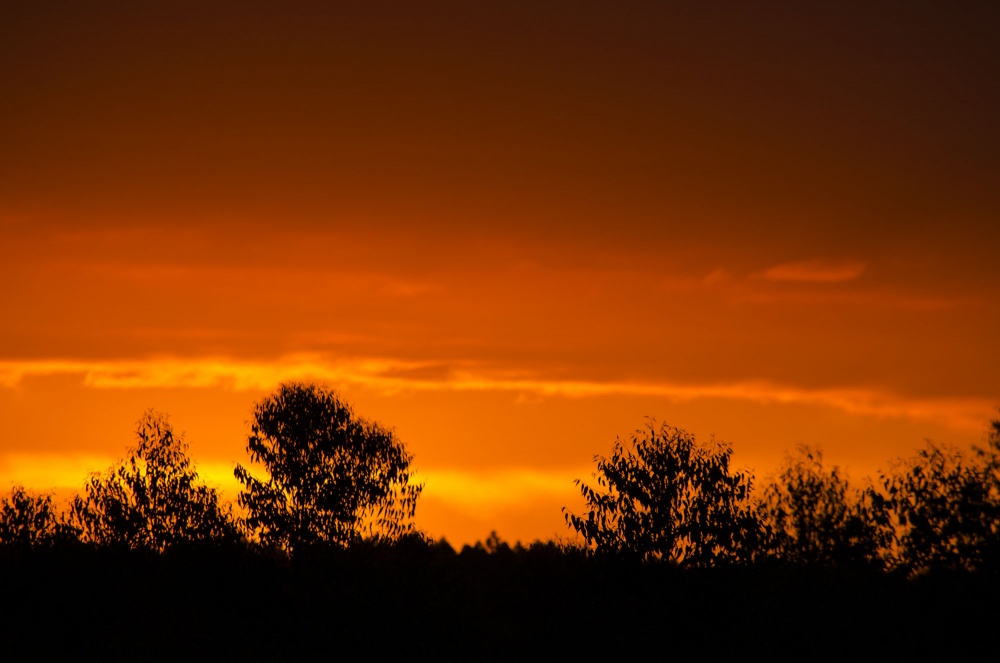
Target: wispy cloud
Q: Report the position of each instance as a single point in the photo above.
(396, 376)
(815, 271)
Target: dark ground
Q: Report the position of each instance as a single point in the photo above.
(395, 604)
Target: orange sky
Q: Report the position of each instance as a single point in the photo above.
(509, 230)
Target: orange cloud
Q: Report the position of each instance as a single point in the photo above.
(390, 376)
(815, 271)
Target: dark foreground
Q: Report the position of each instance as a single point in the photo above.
(509, 605)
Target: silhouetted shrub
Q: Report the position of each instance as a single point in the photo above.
(945, 508)
(815, 518)
(30, 521)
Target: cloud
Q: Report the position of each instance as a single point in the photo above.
(717, 276)
(815, 271)
(396, 376)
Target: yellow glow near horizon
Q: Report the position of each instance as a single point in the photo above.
(485, 498)
(55, 472)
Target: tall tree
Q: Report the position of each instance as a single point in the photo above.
(153, 499)
(332, 477)
(661, 495)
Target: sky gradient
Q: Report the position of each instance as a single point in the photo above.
(510, 231)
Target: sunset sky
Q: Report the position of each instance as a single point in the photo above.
(509, 230)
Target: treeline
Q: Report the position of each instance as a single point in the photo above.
(676, 555)
(381, 601)
(334, 481)
(661, 496)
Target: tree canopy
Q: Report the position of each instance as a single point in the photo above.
(661, 495)
(332, 477)
(816, 518)
(153, 499)
(28, 520)
(945, 508)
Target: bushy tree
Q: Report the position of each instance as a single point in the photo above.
(28, 521)
(663, 496)
(332, 477)
(153, 499)
(946, 508)
(816, 518)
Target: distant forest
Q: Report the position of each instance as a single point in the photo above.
(675, 551)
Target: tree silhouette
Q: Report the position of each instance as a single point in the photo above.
(333, 477)
(28, 521)
(816, 519)
(946, 508)
(153, 499)
(661, 495)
